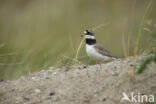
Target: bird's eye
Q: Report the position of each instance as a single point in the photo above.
(87, 32)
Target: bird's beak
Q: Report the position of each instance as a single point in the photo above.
(82, 35)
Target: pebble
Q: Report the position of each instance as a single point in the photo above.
(104, 99)
(115, 67)
(1, 80)
(34, 79)
(55, 73)
(131, 65)
(84, 66)
(95, 95)
(37, 90)
(47, 77)
(26, 98)
(52, 93)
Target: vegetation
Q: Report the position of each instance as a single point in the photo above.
(35, 35)
(145, 62)
(150, 58)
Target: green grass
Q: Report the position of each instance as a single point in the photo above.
(141, 27)
(145, 62)
(35, 35)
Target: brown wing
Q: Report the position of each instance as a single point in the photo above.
(102, 50)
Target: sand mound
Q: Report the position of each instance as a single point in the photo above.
(81, 85)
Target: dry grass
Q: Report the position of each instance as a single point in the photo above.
(38, 34)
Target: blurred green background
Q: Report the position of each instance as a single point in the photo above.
(37, 34)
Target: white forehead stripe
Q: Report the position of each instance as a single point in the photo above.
(85, 32)
(89, 37)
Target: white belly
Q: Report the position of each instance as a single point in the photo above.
(92, 53)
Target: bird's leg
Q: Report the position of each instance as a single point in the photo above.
(100, 65)
(98, 68)
(98, 62)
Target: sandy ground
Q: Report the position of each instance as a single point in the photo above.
(81, 85)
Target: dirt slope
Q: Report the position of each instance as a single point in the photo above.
(80, 85)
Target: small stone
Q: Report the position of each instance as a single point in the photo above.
(84, 66)
(37, 90)
(1, 80)
(47, 78)
(55, 73)
(52, 93)
(79, 67)
(26, 98)
(131, 65)
(104, 99)
(95, 95)
(34, 79)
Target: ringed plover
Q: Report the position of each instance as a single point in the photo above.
(94, 50)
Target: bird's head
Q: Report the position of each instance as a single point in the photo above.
(88, 34)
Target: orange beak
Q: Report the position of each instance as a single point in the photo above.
(83, 35)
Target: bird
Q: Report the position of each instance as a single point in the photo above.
(94, 50)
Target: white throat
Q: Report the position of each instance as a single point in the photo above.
(89, 37)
